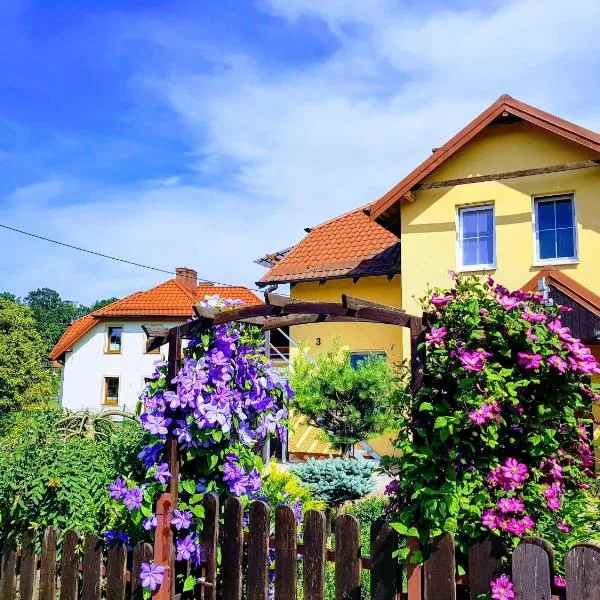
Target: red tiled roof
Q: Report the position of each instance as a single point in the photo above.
(504, 104)
(168, 300)
(351, 245)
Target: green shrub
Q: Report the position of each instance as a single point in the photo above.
(46, 479)
(337, 480)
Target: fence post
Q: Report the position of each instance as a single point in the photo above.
(532, 569)
(386, 575)
(48, 566)
(233, 546)
(141, 553)
(258, 551)
(440, 571)
(347, 558)
(28, 566)
(414, 573)
(286, 554)
(582, 567)
(69, 566)
(116, 566)
(164, 554)
(210, 533)
(313, 557)
(92, 568)
(8, 581)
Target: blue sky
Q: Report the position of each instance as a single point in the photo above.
(236, 124)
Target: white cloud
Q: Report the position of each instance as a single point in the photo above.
(280, 149)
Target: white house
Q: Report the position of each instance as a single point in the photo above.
(103, 355)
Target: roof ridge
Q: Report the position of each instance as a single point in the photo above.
(528, 112)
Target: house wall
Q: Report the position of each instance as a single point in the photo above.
(87, 364)
(360, 337)
(429, 237)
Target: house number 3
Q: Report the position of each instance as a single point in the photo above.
(318, 341)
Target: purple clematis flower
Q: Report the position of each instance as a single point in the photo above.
(155, 424)
(133, 498)
(150, 523)
(186, 547)
(118, 488)
(436, 335)
(162, 473)
(182, 519)
(151, 576)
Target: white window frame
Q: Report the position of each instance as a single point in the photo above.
(539, 262)
(459, 246)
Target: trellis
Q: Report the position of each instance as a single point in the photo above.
(277, 311)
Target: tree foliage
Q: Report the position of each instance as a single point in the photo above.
(348, 404)
(336, 480)
(25, 376)
(497, 442)
(46, 479)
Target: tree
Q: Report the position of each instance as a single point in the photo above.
(52, 314)
(25, 378)
(99, 304)
(349, 404)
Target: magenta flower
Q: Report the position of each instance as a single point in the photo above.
(564, 333)
(529, 361)
(559, 582)
(532, 317)
(151, 576)
(489, 519)
(510, 505)
(484, 413)
(563, 526)
(473, 360)
(508, 303)
(558, 363)
(440, 301)
(514, 471)
(502, 588)
(437, 335)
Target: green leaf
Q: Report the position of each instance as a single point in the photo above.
(401, 528)
(440, 422)
(189, 486)
(189, 583)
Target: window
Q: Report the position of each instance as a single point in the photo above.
(111, 391)
(555, 231)
(476, 237)
(358, 357)
(113, 339)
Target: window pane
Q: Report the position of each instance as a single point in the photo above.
(486, 251)
(469, 224)
(545, 215)
(485, 221)
(470, 252)
(564, 242)
(547, 240)
(111, 390)
(564, 213)
(114, 339)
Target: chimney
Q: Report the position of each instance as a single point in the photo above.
(188, 278)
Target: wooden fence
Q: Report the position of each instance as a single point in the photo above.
(86, 569)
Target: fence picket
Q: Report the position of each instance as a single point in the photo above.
(582, 567)
(286, 554)
(8, 580)
(233, 544)
(439, 570)
(210, 534)
(483, 567)
(414, 573)
(258, 551)
(386, 576)
(92, 568)
(347, 558)
(532, 569)
(313, 560)
(69, 566)
(28, 568)
(116, 567)
(48, 566)
(141, 553)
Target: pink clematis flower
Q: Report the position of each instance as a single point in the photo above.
(514, 471)
(511, 505)
(558, 363)
(502, 588)
(473, 360)
(489, 519)
(437, 335)
(559, 582)
(508, 303)
(563, 526)
(484, 413)
(532, 317)
(529, 361)
(440, 301)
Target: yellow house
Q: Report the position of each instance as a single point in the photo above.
(514, 194)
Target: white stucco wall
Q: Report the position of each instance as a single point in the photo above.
(87, 364)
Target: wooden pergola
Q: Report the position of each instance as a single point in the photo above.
(277, 311)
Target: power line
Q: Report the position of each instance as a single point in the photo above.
(115, 258)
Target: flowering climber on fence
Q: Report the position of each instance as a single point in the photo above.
(497, 442)
(228, 401)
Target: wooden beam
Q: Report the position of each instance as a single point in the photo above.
(279, 300)
(157, 336)
(291, 320)
(584, 164)
(357, 303)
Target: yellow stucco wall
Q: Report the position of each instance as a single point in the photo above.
(429, 245)
(358, 336)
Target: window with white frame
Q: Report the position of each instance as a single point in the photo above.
(555, 229)
(476, 237)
